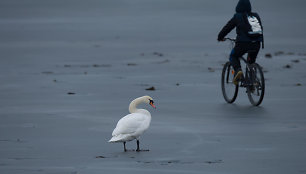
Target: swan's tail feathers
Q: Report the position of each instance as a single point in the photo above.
(116, 139)
(112, 140)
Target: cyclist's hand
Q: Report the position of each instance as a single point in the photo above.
(221, 40)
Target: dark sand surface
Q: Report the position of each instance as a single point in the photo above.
(68, 70)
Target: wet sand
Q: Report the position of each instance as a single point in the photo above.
(70, 68)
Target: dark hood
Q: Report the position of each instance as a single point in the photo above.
(243, 6)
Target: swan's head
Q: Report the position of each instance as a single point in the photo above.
(149, 100)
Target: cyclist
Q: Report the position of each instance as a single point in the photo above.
(249, 36)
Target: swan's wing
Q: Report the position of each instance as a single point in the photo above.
(129, 124)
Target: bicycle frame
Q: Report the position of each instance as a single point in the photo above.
(247, 79)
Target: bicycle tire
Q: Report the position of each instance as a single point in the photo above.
(252, 91)
(226, 82)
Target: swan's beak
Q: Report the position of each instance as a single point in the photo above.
(151, 103)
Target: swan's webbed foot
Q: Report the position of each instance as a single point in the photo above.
(138, 149)
(130, 150)
(142, 150)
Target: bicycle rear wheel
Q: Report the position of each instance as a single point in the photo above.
(229, 89)
(256, 89)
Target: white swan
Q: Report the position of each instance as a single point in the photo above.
(134, 124)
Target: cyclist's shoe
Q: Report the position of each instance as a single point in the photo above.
(237, 77)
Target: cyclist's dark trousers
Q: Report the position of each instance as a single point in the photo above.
(252, 48)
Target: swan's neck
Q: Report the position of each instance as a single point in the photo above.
(133, 105)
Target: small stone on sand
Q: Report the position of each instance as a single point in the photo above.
(151, 89)
(268, 55)
(211, 69)
(131, 64)
(158, 54)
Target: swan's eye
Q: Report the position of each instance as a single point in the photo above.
(151, 101)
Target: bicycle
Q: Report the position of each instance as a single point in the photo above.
(253, 80)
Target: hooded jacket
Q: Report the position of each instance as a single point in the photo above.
(239, 20)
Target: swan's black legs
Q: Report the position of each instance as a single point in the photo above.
(124, 146)
(138, 149)
(137, 146)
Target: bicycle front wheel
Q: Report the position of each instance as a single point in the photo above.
(256, 90)
(229, 89)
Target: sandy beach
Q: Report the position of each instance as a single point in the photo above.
(69, 69)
